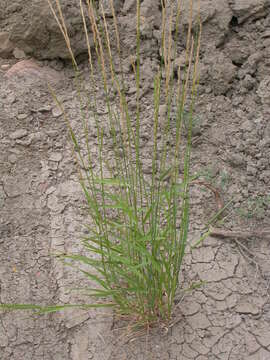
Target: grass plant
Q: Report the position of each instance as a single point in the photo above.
(137, 239)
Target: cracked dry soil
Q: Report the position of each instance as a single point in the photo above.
(42, 211)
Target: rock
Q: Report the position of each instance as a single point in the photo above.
(163, 112)
(207, 10)
(236, 160)
(237, 100)
(107, 6)
(5, 67)
(243, 9)
(25, 141)
(19, 54)
(248, 82)
(265, 176)
(253, 60)
(147, 72)
(215, 17)
(6, 46)
(238, 54)
(150, 18)
(52, 133)
(53, 165)
(56, 157)
(18, 134)
(129, 5)
(262, 164)
(196, 130)
(221, 73)
(247, 126)
(150, 8)
(132, 90)
(147, 166)
(56, 112)
(38, 137)
(264, 90)
(43, 109)
(251, 170)
(11, 98)
(241, 114)
(33, 73)
(180, 62)
(54, 204)
(32, 28)
(266, 42)
(22, 116)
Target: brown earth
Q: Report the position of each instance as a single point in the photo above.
(42, 206)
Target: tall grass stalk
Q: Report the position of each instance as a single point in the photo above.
(139, 223)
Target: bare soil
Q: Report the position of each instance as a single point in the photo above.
(42, 210)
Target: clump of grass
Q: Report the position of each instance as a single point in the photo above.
(139, 223)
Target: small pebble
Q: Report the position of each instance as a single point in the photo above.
(18, 134)
(163, 110)
(56, 157)
(19, 54)
(44, 108)
(22, 116)
(236, 160)
(52, 165)
(25, 141)
(56, 112)
(132, 90)
(11, 99)
(5, 66)
(247, 126)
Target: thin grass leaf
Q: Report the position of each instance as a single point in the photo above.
(53, 308)
(195, 285)
(165, 174)
(20, 307)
